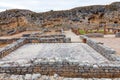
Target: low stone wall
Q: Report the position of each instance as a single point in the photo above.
(63, 67)
(41, 39)
(66, 69)
(54, 36)
(8, 49)
(103, 50)
(117, 34)
(94, 35)
(8, 41)
(49, 40)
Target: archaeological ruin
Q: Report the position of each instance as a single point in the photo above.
(57, 54)
(82, 43)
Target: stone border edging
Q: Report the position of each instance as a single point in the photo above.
(102, 49)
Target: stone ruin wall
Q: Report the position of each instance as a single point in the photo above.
(117, 34)
(49, 39)
(100, 48)
(8, 41)
(67, 68)
(44, 39)
(8, 49)
(41, 39)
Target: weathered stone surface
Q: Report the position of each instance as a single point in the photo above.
(67, 59)
(55, 51)
(36, 76)
(103, 50)
(8, 49)
(117, 34)
(44, 77)
(95, 35)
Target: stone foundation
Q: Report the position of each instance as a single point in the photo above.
(117, 34)
(66, 69)
(44, 39)
(8, 41)
(103, 50)
(94, 35)
(8, 49)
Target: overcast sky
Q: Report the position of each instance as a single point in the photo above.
(47, 5)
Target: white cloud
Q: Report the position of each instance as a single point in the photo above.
(10, 5)
(46, 5)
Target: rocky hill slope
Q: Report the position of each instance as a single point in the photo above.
(16, 20)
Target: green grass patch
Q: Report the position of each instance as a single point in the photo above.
(82, 32)
(101, 31)
(95, 31)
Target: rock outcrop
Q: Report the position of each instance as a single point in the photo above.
(16, 20)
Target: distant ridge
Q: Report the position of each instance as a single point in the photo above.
(18, 20)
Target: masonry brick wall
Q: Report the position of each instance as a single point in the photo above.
(66, 69)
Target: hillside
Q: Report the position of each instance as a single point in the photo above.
(16, 20)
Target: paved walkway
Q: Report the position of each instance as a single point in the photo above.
(73, 36)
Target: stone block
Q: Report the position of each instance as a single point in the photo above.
(95, 35)
(117, 34)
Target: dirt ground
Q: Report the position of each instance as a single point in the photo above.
(3, 45)
(18, 35)
(51, 33)
(29, 32)
(110, 41)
